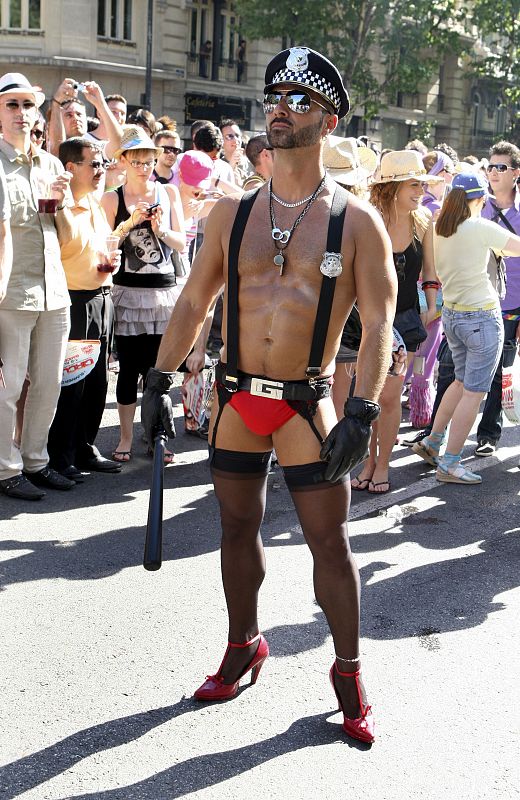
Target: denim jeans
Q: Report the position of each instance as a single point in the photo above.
(475, 339)
(490, 426)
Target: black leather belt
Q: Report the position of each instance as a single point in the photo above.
(260, 386)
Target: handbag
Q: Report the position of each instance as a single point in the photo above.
(410, 326)
(511, 391)
(496, 268)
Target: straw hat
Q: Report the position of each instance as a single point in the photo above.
(134, 138)
(16, 83)
(346, 161)
(404, 165)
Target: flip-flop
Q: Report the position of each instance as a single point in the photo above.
(122, 456)
(360, 487)
(380, 483)
(168, 457)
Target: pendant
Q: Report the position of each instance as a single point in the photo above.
(279, 261)
(280, 236)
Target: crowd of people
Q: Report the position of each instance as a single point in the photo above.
(128, 175)
(115, 233)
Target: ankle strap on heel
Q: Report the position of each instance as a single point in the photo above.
(245, 644)
(355, 674)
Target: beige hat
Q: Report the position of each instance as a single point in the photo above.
(16, 83)
(134, 138)
(346, 161)
(404, 165)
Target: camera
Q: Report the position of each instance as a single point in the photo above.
(80, 87)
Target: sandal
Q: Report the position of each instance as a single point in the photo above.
(361, 485)
(380, 483)
(168, 456)
(457, 474)
(428, 454)
(122, 456)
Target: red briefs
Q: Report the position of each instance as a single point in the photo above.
(262, 415)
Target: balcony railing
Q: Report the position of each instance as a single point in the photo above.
(203, 66)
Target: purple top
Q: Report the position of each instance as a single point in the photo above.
(512, 298)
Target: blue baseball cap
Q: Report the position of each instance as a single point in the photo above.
(474, 184)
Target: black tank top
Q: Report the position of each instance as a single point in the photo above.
(145, 260)
(408, 266)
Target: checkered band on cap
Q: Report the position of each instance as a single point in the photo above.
(310, 79)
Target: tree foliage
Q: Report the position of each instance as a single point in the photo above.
(410, 39)
(498, 23)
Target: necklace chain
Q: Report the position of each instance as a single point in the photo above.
(282, 238)
(284, 203)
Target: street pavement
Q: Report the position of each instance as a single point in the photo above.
(99, 658)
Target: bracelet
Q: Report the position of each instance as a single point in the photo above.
(60, 208)
(430, 285)
(56, 101)
(163, 234)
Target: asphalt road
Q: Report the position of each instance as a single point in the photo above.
(99, 658)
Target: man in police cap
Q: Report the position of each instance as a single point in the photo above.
(292, 271)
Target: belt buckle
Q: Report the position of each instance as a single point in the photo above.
(262, 387)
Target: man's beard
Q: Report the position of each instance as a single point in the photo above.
(287, 138)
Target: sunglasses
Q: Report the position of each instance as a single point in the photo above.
(93, 164)
(173, 150)
(232, 136)
(12, 105)
(37, 134)
(498, 167)
(299, 102)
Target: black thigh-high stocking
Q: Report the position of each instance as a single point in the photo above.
(241, 496)
(322, 510)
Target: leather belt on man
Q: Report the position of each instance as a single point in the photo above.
(261, 386)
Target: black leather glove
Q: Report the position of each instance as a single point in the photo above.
(347, 443)
(156, 405)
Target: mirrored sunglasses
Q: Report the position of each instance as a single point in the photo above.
(297, 101)
(498, 167)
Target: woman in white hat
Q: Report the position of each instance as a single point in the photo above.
(148, 218)
(397, 195)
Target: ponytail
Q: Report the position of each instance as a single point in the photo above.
(454, 211)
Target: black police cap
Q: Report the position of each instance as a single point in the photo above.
(301, 66)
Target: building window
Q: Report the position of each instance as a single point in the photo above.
(201, 34)
(20, 14)
(115, 19)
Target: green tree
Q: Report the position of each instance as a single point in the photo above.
(410, 39)
(498, 61)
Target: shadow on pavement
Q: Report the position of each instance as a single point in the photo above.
(179, 780)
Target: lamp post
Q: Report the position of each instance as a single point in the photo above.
(149, 48)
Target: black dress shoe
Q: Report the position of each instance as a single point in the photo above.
(100, 464)
(72, 473)
(21, 488)
(49, 478)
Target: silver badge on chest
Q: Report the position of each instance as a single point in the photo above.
(331, 265)
(297, 60)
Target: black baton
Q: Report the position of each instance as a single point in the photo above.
(152, 559)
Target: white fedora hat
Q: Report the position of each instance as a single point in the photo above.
(404, 165)
(16, 83)
(346, 161)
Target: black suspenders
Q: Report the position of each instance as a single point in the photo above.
(328, 285)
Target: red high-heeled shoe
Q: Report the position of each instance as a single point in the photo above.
(214, 687)
(362, 727)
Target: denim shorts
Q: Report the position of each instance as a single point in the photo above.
(475, 339)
